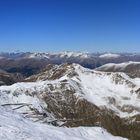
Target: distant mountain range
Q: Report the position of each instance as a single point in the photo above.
(30, 63)
(67, 54)
(25, 64)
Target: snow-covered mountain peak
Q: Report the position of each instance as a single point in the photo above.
(74, 54)
(109, 55)
(39, 55)
(60, 55)
(95, 87)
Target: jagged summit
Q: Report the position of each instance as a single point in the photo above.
(52, 72)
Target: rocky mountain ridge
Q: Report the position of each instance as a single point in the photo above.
(70, 95)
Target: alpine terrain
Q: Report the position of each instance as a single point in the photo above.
(91, 102)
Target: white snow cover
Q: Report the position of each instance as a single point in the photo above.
(98, 88)
(60, 54)
(109, 55)
(74, 54)
(120, 66)
(39, 55)
(14, 127)
(23, 93)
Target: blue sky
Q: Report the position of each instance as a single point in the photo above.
(70, 25)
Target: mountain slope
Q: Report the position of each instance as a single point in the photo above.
(13, 126)
(71, 95)
(130, 68)
(8, 78)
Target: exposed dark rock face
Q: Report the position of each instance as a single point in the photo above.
(26, 67)
(8, 78)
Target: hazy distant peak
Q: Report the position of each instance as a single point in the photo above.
(109, 55)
